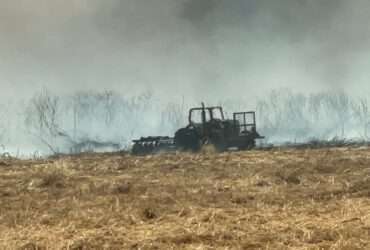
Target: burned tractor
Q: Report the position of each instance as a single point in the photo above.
(207, 125)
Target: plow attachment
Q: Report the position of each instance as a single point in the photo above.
(152, 145)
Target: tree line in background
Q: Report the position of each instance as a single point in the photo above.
(286, 116)
(93, 121)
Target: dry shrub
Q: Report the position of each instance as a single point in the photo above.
(103, 187)
(361, 187)
(290, 175)
(121, 188)
(324, 168)
(262, 183)
(155, 207)
(7, 192)
(48, 219)
(6, 156)
(242, 198)
(4, 164)
(319, 235)
(149, 213)
(52, 178)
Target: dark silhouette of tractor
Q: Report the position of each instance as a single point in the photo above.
(207, 125)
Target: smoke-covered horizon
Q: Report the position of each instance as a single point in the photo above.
(192, 50)
(51, 123)
(199, 48)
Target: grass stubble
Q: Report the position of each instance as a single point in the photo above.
(277, 199)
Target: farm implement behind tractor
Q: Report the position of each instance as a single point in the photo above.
(207, 125)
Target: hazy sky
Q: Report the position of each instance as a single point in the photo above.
(184, 47)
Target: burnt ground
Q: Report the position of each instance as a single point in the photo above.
(278, 199)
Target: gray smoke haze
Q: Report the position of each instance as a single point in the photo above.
(211, 50)
(194, 47)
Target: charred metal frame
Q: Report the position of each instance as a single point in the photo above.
(203, 109)
(244, 126)
(213, 128)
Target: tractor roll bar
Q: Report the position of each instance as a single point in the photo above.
(203, 109)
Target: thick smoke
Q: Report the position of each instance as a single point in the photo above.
(199, 47)
(213, 50)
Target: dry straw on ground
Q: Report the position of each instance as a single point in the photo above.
(289, 199)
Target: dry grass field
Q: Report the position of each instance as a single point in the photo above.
(278, 199)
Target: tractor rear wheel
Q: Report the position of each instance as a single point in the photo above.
(187, 139)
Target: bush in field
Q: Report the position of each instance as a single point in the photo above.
(42, 119)
(101, 120)
(362, 113)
